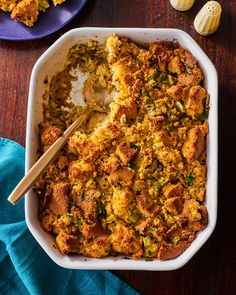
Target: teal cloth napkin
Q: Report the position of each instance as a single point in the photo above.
(24, 267)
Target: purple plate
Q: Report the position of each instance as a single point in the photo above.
(48, 22)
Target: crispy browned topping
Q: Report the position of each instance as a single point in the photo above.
(26, 11)
(131, 182)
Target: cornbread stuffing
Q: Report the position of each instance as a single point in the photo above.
(26, 11)
(130, 182)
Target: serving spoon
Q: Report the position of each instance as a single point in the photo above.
(29, 179)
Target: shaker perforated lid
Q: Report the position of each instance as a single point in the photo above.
(182, 5)
(208, 18)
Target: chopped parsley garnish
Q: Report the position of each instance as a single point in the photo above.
(170, 128)
(77, 222)
(150, 101)
(102, 210)
(82, 196)
(190, 179)
(72, 203)
(131, 165)
(134, 146)
(153, 85)
(163, 77)
(156, 185)
(201, 117)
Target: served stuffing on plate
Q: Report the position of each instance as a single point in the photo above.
(131, 182)
(26, 11)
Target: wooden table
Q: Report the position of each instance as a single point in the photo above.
(213, 269)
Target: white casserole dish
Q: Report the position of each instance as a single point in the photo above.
(51, 62)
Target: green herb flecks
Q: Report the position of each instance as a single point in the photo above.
(190, 179)
(170, 128)
(68, 214)
(153, 85)
(163, 77)
(202, 117)
(77, 222)
(157, 185)
(72, 204)
(82, 196)
(149, 101)
(102, 210)
(131, 165)
(134, 146)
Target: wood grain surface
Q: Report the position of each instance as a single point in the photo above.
(213, 269)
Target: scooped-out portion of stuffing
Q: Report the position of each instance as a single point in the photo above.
(26, 11)
(131, 182)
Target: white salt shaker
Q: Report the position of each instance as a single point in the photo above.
(208, 18)
(182, 5)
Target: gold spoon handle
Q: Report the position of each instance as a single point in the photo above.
(29, 179)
